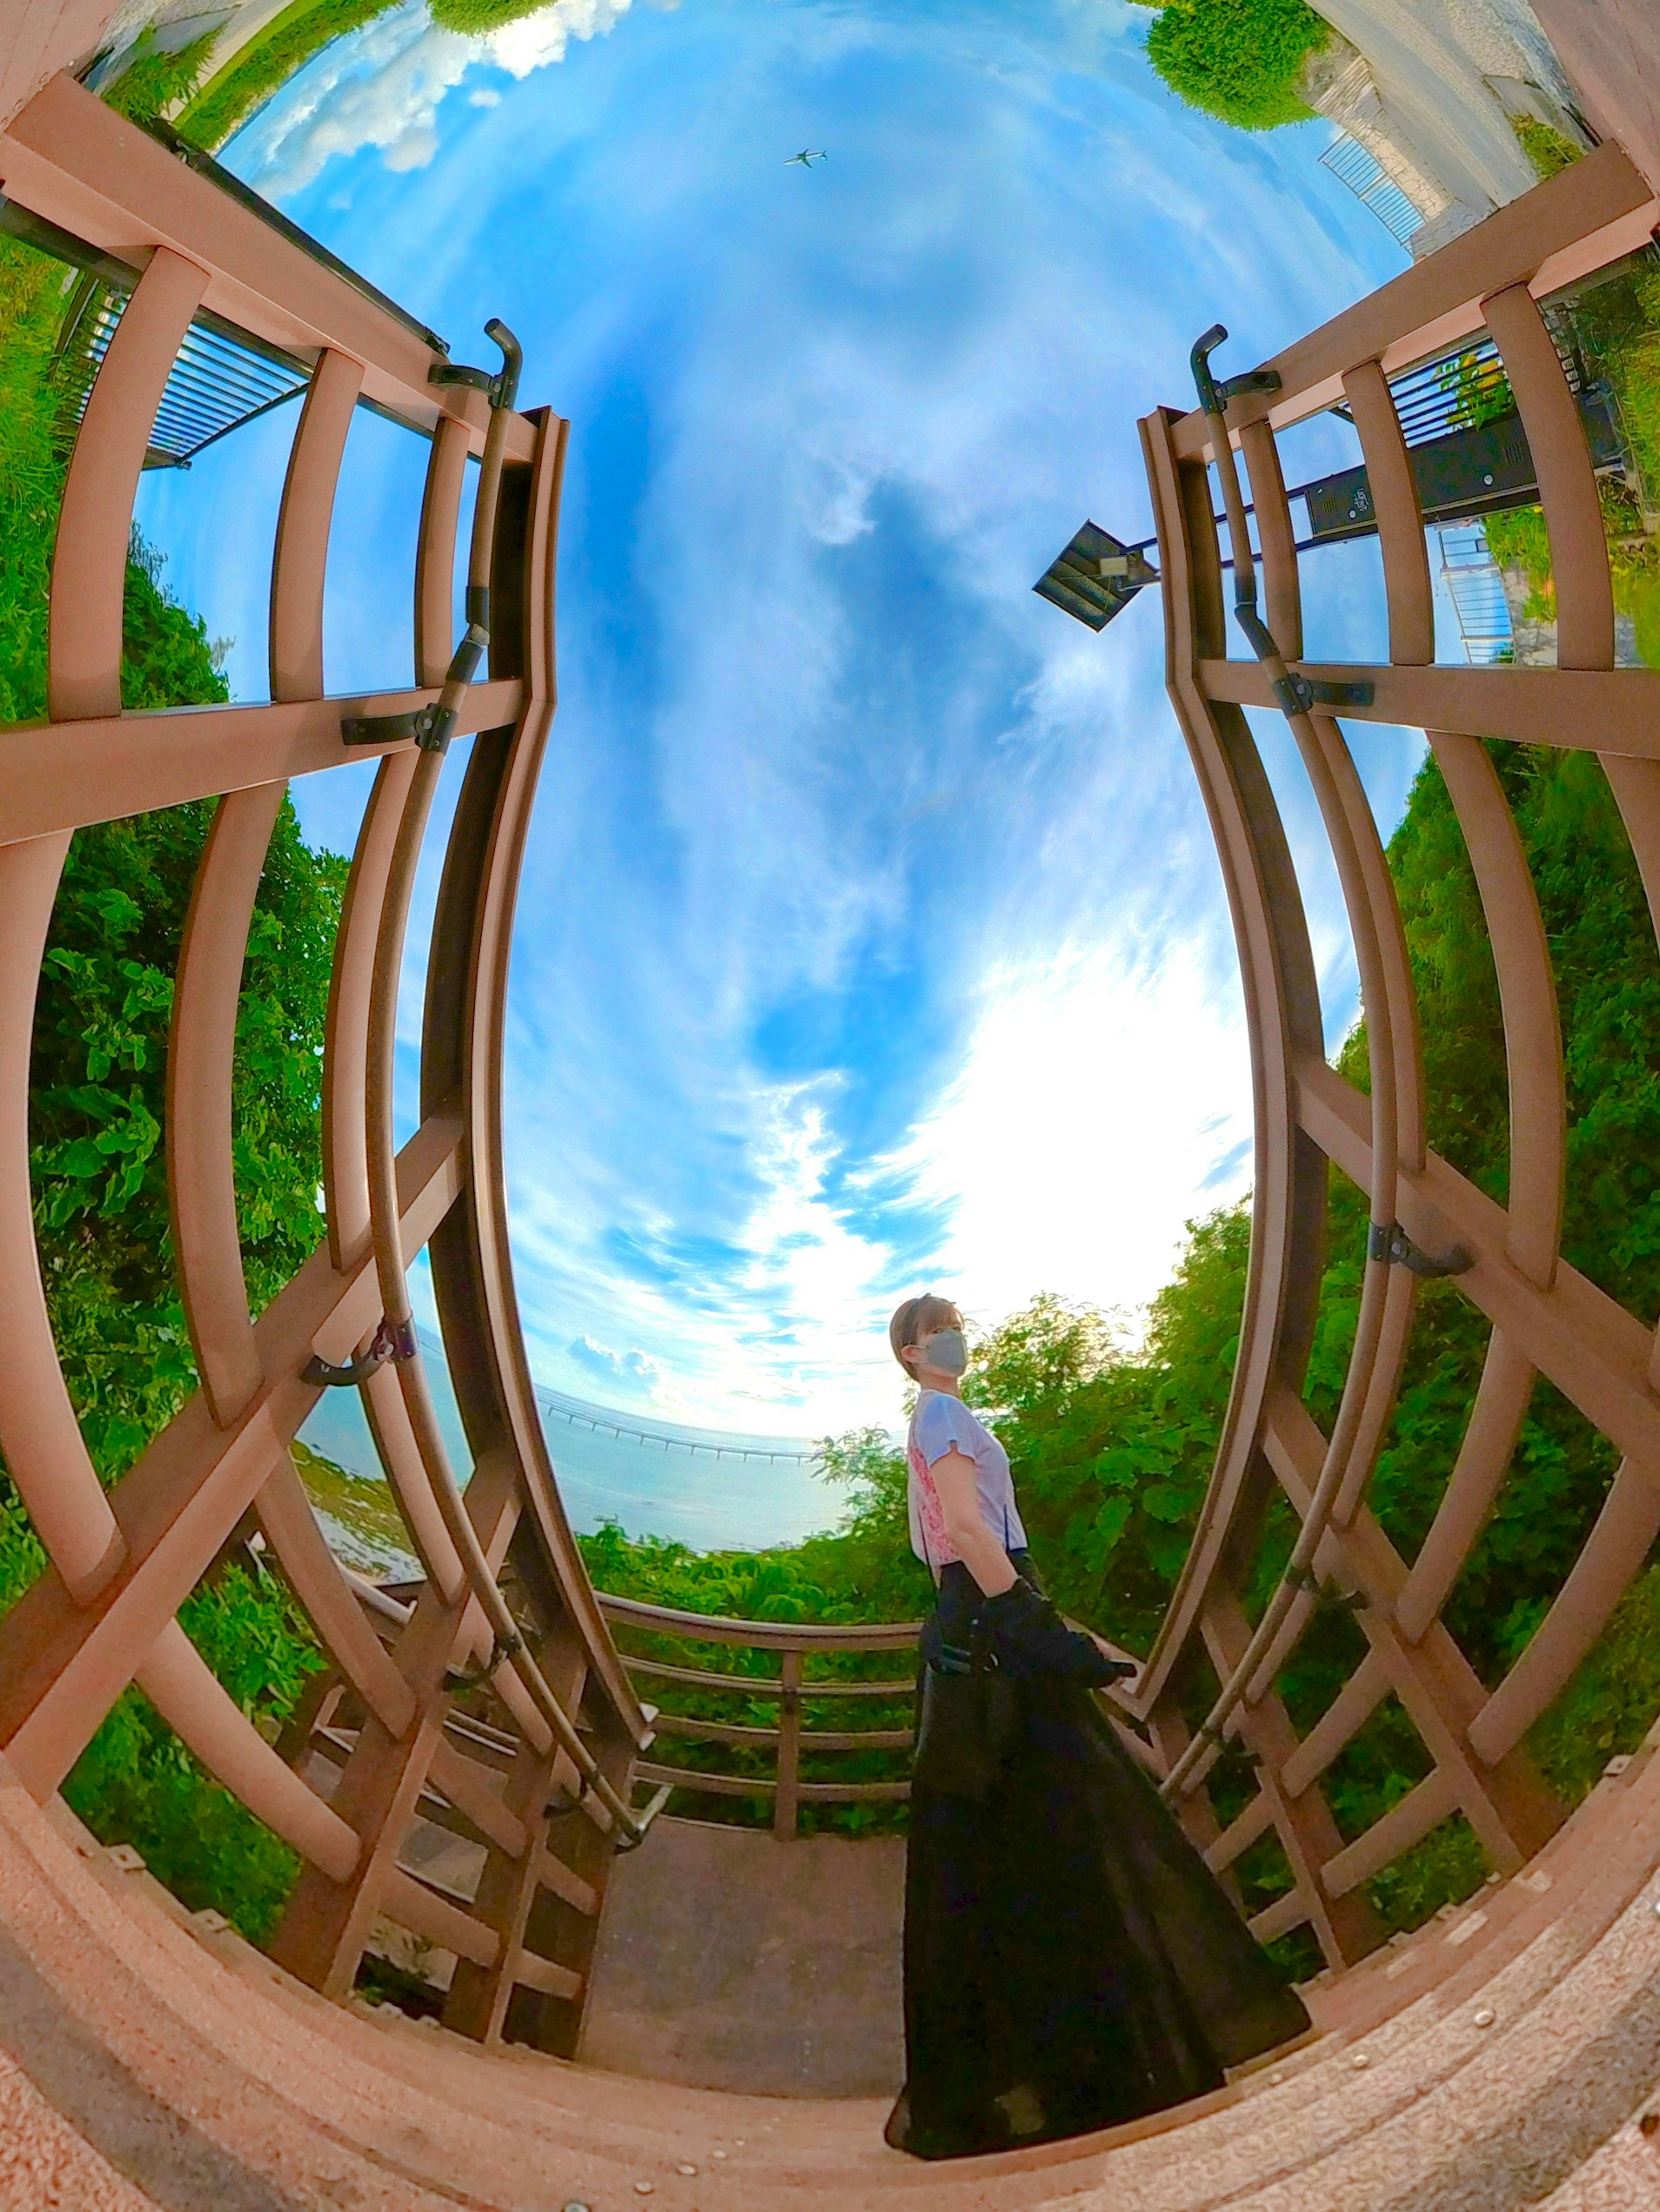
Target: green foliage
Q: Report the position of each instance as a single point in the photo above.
(136, 1783)
(32, 424)
(1111, 1455)
(1242, 60)
(98, 1091)
(99, 1094)
(266, 62)
(166, 658)
(864, 1572)
(1544, 145)
(474, 16)
(153, 80)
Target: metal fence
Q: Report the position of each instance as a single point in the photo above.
(1355, 166)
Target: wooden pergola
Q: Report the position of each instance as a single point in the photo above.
(544, 1787)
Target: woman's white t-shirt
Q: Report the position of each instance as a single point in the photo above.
(942, 1423)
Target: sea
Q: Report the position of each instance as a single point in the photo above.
(714, 1489)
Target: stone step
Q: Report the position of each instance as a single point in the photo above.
(269, 2080)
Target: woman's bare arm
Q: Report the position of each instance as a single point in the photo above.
(972, 1542)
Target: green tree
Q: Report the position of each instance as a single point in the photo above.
(1242, 60)
(99, 1092)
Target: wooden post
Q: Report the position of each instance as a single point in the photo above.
(785, 1803)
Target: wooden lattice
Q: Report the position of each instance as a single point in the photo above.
(539, 1782)
(505, 1615)
(1547, 1320)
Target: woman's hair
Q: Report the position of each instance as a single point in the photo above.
(917, 1318)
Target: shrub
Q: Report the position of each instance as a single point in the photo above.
(1238, 59)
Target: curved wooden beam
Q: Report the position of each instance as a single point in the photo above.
(201, 1064)
(40, 1436)
(95, 521)
(301, 554)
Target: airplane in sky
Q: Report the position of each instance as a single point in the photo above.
(806, 158)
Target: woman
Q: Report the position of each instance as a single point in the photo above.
(1070, 1960)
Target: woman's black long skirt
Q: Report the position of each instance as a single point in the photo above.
(1070, 1961)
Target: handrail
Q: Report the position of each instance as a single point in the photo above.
(227, 181)
(765, 1635)
(794, 1642)
(1425, 1219)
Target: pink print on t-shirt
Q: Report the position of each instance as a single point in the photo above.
(941, 1551)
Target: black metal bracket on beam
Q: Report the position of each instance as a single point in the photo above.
(421, 725)
(1229, 1751)
(1214, 397)
(1326, 1595)
(431, 727)
(562, 1803)
(393, 1340)
(474, 1674)
(501, 385)
(1297, 695)
(1394, 1248)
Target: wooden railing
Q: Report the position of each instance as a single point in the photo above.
(1547, 1320)
(798, 1649)
(496, 1699)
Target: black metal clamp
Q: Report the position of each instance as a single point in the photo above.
(502, 384)
(393, 1340)
(1295, 694)
(1214, 397)
(432, 726)
(1392, 1246)
(562, 1803)
(474, 1674)
(1326, 1595)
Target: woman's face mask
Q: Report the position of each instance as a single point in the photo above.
(946, 1352)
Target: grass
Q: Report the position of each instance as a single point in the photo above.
(287, 42)
(1545, 146)
(362, 1506)
(31, 432)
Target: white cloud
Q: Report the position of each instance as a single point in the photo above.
(382, 87)
(634, 1372)
(815, 729)
(1104, 1098)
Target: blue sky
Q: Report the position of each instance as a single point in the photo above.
(871, 937)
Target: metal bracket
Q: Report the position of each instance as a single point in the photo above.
(562, 1803)
(1214, 397)
(642, 1819)
(477, 1673)
(455, 372)
(1254, 380)
(1296, 694)
(501, 385)
(426, 726)
(394, 1340)
(1326, 1595)
(1393, 1246)
(431, 727)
